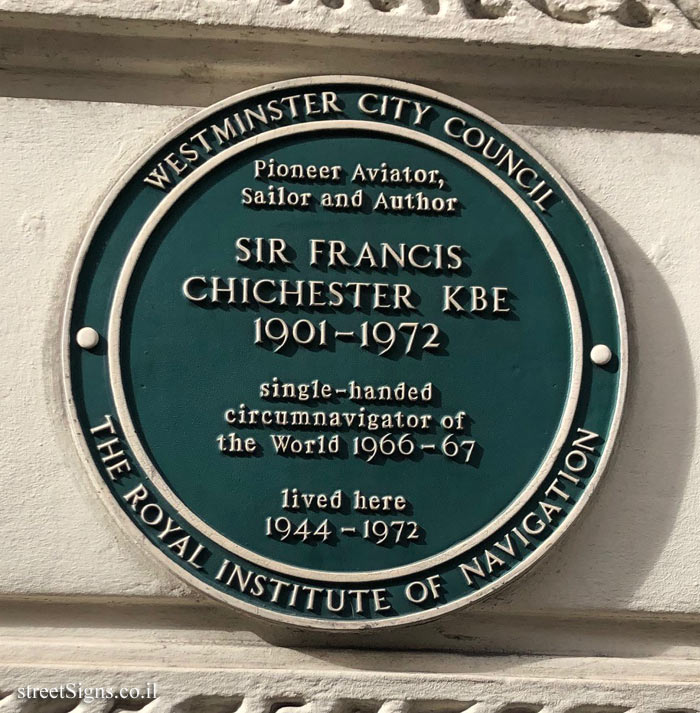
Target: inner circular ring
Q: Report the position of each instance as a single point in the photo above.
(139, 452)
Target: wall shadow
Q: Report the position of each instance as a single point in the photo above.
(609, 553)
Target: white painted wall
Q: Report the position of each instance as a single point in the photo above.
(634, 548)
(617, 604)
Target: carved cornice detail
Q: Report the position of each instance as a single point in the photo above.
(174, 703)
(639, 26)
(629, 13)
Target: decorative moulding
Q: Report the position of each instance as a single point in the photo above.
(637, 26)
(535, 697)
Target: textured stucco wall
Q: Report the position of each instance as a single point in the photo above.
(633, 548)
(608, 621)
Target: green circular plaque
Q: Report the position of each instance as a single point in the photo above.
(345, 351)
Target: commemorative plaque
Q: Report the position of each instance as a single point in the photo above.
(345, 351)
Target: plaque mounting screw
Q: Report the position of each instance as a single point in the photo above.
(87, 338)
(601, 354)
